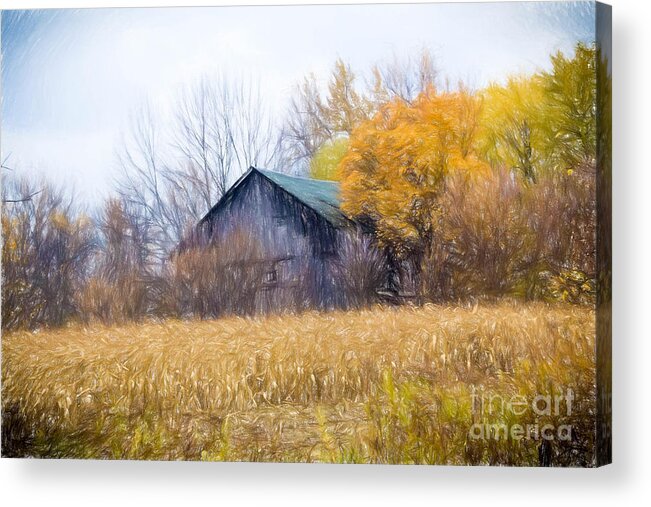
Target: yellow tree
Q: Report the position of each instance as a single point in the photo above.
(323, 165)
(545, 123)
(345, 108)
(513, 130)
(397, 162)
(316, 119)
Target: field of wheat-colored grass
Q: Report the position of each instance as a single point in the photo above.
(384, 385)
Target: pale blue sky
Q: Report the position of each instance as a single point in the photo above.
(71, 78)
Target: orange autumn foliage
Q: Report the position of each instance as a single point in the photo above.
(397, 162)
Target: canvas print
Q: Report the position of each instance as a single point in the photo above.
(335, 233)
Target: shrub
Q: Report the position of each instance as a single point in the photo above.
(499, 234)
(124, 285)
(361, 270)
(218, 278)
(46, 245)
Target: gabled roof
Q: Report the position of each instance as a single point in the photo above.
(323, 197)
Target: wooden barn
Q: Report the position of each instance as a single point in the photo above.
(292, 233)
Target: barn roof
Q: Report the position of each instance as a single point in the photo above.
(321, 196)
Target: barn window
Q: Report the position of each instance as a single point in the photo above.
(270, 276)
(280, 220)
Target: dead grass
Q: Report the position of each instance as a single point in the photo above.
(381, 385)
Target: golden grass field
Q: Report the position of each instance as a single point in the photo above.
(384, 385)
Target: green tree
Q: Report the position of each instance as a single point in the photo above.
(570, 108)
(323, 165)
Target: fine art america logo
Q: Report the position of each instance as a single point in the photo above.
(491, 406)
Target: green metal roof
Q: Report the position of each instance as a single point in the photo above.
(320, 195)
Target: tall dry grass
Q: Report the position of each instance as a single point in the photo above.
(384, 385)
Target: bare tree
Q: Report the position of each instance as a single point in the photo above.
(404, 78)
(222, 127)
(307, 126)
(143, 184)
(219, 129)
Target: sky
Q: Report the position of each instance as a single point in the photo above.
(73, 78)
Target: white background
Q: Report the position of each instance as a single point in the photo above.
(627, 481)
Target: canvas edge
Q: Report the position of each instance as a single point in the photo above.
(603, 68)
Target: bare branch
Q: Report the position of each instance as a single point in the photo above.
(24, 199)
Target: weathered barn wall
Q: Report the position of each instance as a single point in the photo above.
(295, 246)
